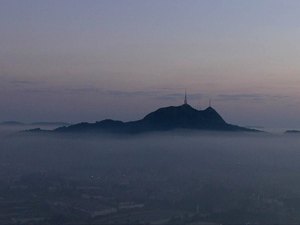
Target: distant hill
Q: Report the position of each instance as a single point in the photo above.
(163, 119)
(50, 124)
(292, 132)
(11, 123)
(17, 123)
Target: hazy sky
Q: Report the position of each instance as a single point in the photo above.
(89, 60)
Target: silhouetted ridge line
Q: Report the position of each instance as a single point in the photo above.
(292, 132)
(163, 119)
(17, 123)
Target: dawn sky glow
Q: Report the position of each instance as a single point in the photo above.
(63, 60)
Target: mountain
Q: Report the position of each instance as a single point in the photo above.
(163, 119)
(50, 124)
(17, 123)
(11, 123)
(292, 132)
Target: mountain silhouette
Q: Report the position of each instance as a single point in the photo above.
(163, 119)
(292, 132)
(17, 123)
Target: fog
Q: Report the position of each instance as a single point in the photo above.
(163, 178)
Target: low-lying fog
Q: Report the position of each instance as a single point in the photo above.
(180, 177)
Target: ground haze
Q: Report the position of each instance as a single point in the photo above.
(166, 178)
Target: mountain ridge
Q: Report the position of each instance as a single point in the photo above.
(18, 123)
(163, 119)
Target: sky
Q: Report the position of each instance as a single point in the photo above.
(88, 60)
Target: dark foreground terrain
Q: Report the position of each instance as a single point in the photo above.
(167, 178)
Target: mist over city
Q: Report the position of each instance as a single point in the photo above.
(176, 177)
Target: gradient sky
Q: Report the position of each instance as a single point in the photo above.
(87, 60)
